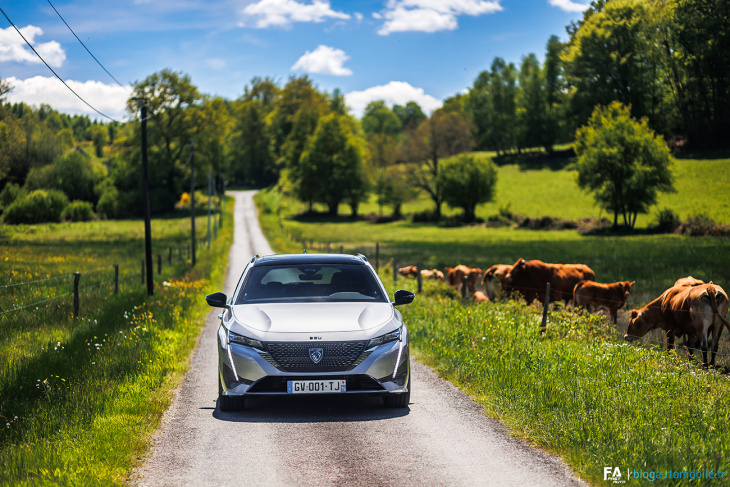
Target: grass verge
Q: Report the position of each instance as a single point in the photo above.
(79, 399)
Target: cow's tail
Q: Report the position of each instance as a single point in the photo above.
(576, 288)
(712, 293)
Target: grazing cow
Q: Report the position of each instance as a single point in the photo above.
(695, 311)
(455, 276)
(530, 278)
(408, 271)
(592, 295)
(480, 297)
(432, 274)
(493, 280)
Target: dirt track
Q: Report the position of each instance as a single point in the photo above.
(441, 439)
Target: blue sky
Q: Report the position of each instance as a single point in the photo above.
(396, 50)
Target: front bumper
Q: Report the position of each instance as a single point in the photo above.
(246, 371)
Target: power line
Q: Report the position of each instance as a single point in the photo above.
(52, 71)
(87, 49)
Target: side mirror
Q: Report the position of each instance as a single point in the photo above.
(403, 297)
(217, 300)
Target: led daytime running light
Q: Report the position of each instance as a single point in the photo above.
(388, 337)
(242, 340)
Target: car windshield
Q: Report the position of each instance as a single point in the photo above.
(311, 283)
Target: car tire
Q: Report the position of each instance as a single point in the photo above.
(229, 403)
(400, 400)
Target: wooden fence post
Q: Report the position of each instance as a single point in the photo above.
(377, 256)
(169, 257)
(142, 271)
(159, 264)
(116, 278)
(77, 278)
(419, 277)
(395, 273)
(543, 325)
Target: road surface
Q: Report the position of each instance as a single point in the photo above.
(441, 439)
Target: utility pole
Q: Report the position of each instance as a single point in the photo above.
(146, 198)
(210, 190)
(192, 197)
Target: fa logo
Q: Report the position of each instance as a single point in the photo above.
(613, 474)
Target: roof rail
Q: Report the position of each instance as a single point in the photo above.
(254, 258)
(361, 256)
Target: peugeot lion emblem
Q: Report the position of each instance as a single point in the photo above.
(316, 354)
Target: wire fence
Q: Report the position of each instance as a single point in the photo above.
(49, 290)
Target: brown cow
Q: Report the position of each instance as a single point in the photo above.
(455, 276)
(432, 274)
(696, 311)
(408, 271)
(688, 281)
(493, 280)
(592, 295)
(530, 278)
(480, 297)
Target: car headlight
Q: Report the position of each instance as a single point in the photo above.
(242, 340)
(388, 337)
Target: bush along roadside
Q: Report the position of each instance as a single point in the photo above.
(578, 390)
(82, 410)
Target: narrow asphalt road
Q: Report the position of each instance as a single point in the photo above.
(442, 439)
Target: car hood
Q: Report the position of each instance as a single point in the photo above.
(313, 317)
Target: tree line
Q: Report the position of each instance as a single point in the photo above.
(665, 61)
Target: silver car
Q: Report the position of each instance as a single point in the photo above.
(311, 324)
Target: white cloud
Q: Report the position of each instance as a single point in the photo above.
(323, 60)
(432, 15)
(215, 63)
(568, 5)
(13, 48)
(394, 93)
(359, 16)
(282, 13)
(108, 99)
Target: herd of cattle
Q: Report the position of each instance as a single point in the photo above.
(691, 308)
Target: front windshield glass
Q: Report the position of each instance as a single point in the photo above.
(310, 283)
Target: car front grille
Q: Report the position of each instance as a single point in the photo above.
(277, 384)
(295, 357)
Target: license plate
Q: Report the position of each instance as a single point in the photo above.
(315, 386)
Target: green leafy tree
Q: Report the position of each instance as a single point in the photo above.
(467, 181)
(555, 98)
(382, 127)
(332, 165)
(447, 132)
(251, 160)
(531, 104)
(622, 162)
(411, 115)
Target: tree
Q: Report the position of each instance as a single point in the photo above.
(555, 98)
(331, 167)
(381, 126)
(613, 57)
(531, 104)
(622, 162)
(467, 181)
(447, 132)
(410, 115)
(168, 96)
(251, 160)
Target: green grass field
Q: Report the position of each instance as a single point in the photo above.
(80, 398)
(546, 187)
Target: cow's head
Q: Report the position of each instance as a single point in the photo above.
(639, 325)
(516, 270)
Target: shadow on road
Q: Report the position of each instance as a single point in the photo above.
(311, 409)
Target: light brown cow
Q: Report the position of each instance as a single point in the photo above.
(493, 280)
(455, 276)
(593, 295)
(432, 274)
(480, 297)
(530, 278)
(695, 311)
(408, 271)
(688, 281)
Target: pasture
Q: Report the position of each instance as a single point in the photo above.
(80, 398)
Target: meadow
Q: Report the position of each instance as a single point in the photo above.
(80, 398)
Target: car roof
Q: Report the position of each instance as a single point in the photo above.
(294, 259)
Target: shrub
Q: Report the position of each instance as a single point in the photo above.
(108, 205)
(666, 221)
(78, 211)
(702, 225)
(10, 193)
(37, 207)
